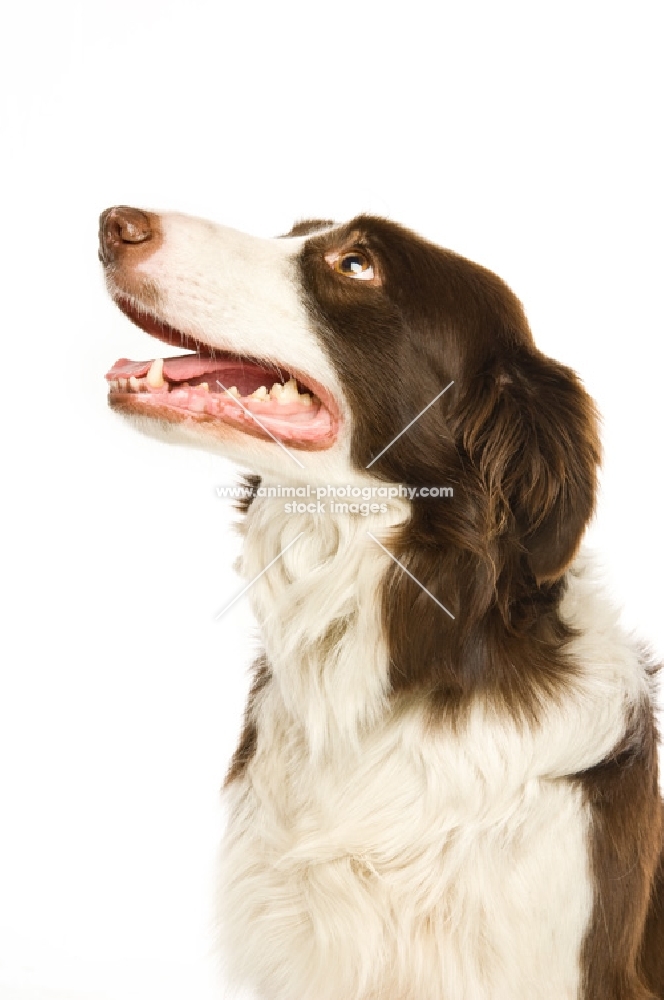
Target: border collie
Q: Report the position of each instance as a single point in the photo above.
(446, 787)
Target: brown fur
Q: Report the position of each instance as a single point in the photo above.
(516, 436)
(308, 226)
(623, 796)
(250, 482)
(652, 951)
(247, 746)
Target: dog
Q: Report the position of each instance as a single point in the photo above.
(446, 786)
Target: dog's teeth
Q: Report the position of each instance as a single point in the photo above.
(114, 384)
(155, 376)
(260, 393)
(134, 384)
(123, 383)
(289, 393)
(204, 386)
(305, 399)
(234, 391)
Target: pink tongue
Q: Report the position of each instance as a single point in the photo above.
(186, 367)
(180, 369)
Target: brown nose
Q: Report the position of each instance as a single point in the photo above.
(120, 227)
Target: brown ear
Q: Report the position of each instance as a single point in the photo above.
(531, 431)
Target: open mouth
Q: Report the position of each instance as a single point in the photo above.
(207, 386)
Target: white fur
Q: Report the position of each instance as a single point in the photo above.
(373, 856)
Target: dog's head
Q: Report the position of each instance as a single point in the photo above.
(336, 343)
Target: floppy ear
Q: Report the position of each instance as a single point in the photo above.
(531, 431)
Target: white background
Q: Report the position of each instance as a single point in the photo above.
(526, 136)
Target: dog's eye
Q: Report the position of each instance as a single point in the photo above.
(354, 265)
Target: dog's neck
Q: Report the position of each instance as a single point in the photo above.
(319, 607)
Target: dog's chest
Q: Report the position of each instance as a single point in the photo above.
(373, 854)
(406, 867)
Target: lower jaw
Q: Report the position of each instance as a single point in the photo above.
(218, 411)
